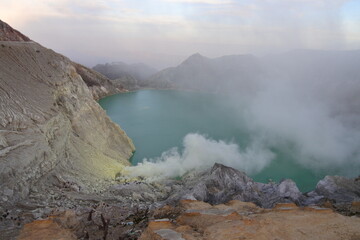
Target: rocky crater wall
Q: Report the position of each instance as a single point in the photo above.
(52, 131)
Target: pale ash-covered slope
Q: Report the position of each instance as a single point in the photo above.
(99, 85)
(52, 131)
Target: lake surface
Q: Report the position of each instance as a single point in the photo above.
(158, 120)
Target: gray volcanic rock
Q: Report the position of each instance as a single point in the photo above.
(222, 184)
(339, 189)
(341, 192)
(52, 131)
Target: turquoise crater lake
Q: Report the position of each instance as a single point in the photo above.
(158, 120)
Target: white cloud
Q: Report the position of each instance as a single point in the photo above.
(181, 27)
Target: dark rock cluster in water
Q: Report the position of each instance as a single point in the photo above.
(221, 184)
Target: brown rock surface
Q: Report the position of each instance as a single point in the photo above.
(239, 220)
(46, 229)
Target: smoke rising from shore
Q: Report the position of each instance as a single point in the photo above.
(200, 153)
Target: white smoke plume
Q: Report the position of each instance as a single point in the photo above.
(200, 153)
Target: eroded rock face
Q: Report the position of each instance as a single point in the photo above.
(339, 189)
(339, 193)
(52, 131)
(99, 85)
(239, 220)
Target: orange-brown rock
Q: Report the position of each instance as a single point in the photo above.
(47, 229)
(239, 220)
(355, 207)
(59, 226)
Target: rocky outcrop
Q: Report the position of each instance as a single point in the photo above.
(239, 220)
(339, 193)
(111, 221)
(99, 85)
(192, 219)
(339, 189)
(125, 208)
(52, 131)
(222, 184)
(7, 33)
(46, 229)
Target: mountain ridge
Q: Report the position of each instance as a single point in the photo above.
(132, 76)
(7, 33)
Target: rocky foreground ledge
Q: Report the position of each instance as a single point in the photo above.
(242, 220)
(215, 204)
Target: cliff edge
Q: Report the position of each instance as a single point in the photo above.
(52, 131)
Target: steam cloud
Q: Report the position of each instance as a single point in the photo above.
(307, 102)
(312, 102)
(201, 153)
(321, 139)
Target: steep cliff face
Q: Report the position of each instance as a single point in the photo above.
(99, 85)
(52, 131)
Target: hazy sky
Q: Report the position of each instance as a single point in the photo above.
(162, 33)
